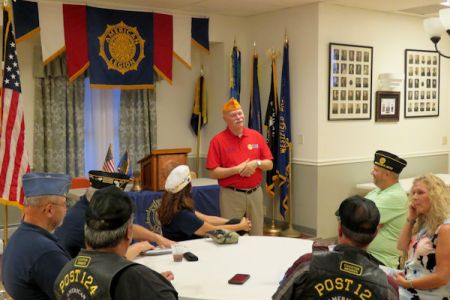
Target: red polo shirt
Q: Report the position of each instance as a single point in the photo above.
(228, 150)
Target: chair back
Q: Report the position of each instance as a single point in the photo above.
(80, 182)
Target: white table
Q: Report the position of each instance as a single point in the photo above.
(266, 259)
(364, 188)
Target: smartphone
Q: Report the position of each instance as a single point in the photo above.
(239, 279)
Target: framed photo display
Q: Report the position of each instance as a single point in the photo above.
(422, 70)
(350, 82)
(387, 106)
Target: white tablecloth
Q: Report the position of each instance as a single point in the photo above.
(364, 188)
(266, 259)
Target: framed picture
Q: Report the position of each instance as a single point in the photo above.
(350, 82)
(387, 106)
(422, 70)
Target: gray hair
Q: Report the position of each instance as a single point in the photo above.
(38, 200)
(98, 239)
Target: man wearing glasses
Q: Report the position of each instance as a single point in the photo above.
(33, 257)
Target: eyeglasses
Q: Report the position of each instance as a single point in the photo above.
(65, 204)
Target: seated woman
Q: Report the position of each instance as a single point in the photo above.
(426, 235)
(179, 220)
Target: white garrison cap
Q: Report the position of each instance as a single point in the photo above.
(178, 179)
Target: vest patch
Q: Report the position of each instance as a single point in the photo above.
(351, 268)
(82, 261)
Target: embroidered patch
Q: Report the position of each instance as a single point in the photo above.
(351, 268)
(82, 261)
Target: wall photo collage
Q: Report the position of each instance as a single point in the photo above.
(350, 85)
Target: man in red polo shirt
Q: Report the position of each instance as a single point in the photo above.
(236, 157)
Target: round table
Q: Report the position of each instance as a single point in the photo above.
(266, 259)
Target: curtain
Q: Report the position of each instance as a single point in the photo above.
(101, 113)
(137, 124)
(58, 118)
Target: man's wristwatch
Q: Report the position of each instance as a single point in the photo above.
(258, 163)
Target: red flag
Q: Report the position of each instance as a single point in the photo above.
(13, 157)
(163, 39)
(75, 36)
(108, 165)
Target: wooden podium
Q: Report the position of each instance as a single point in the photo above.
(156, 166)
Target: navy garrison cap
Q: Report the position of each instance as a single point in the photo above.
(39, 184)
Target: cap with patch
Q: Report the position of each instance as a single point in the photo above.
(178, 179)
(231, 105)
(359, 215)
(39, 184)
(109, 209)
(101, 179)
(389, 161)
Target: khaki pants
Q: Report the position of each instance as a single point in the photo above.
(234, 204)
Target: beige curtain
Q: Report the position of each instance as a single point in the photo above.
(58, 118)
(137, 124)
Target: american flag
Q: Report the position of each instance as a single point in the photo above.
(108, 165)
(13, 156)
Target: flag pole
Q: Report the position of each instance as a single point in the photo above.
(5, 225)
(199, 126)
(290, 231)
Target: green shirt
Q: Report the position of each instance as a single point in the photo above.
(392, 204)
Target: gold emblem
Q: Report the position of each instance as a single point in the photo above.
(121, 47)
(82, 261)
(351, 268)
(382, 161)
(250, 146)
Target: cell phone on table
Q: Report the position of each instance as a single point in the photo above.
(239, 279)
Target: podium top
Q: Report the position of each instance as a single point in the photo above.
(167, 151)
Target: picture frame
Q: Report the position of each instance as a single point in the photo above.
(387, 106)
(422, 75)
(350, 82)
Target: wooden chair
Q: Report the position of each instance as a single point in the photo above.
(80, 182)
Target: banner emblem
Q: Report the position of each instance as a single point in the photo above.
(121, 47)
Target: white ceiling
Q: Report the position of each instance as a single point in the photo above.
(244, 8)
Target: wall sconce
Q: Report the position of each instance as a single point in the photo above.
(436, 26)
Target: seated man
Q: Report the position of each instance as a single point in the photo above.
(33, 257)
(71, 232)
(100, 271)
(391, 200)
(347, 272)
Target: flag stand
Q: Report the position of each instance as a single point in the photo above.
(290, 231)
(273, 229)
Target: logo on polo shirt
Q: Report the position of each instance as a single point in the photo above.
(252, 146)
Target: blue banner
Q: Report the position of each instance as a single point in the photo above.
(254, 116)
(26, 19)
(120, 48)
(284, 136)
(200, 33)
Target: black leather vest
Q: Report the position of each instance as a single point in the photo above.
(345, 273)
(89, 276)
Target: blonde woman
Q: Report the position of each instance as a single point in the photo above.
(426, 236)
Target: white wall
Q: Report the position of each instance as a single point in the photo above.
(389, 35)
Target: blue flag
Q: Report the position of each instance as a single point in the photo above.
(124, 165)
(26, 19)
(284, 136)
(271, 123)
(120, 48)
(235, 76)
(254, 116)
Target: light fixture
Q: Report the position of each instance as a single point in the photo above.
(436, 26)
